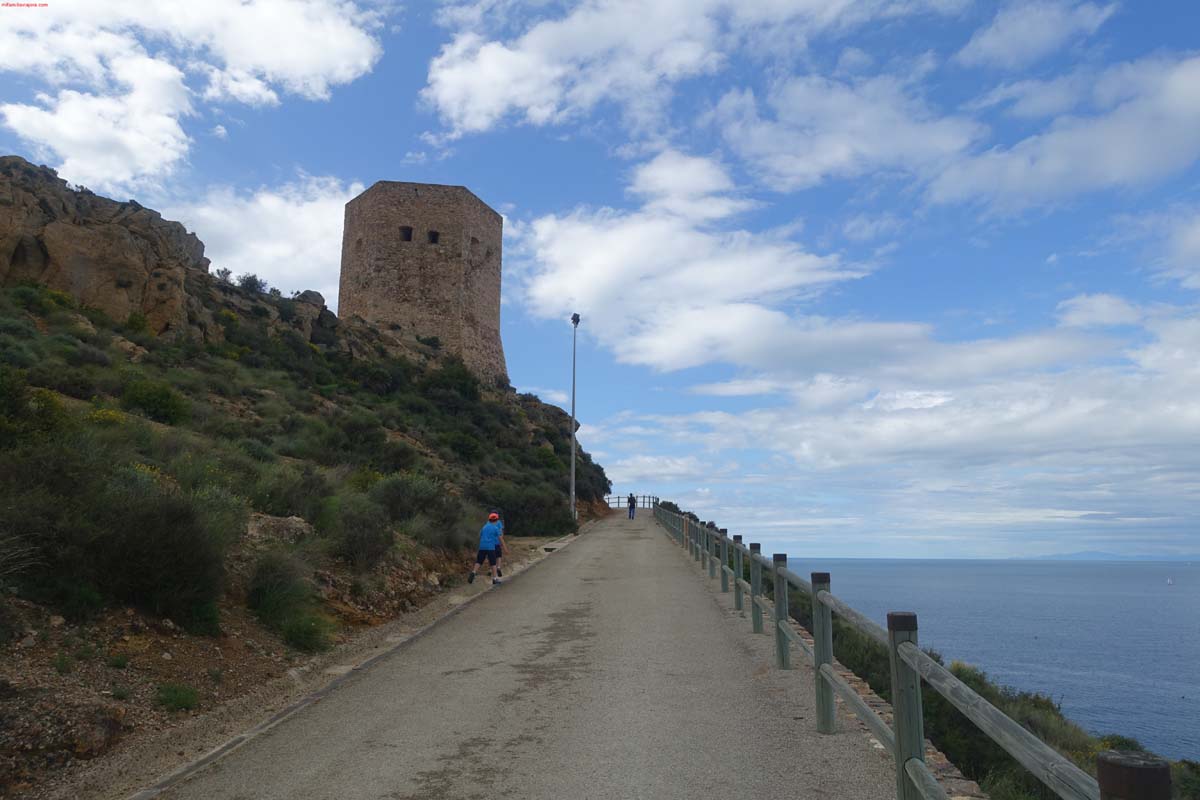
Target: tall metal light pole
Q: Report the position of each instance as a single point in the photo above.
(574, 332)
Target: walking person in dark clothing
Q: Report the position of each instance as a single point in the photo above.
(632, 505)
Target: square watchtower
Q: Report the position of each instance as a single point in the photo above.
(426, 258)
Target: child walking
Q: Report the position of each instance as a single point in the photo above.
(490, 541)
(502, 547)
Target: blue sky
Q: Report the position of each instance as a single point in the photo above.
(907, 278)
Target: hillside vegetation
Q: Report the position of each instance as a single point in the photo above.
(129, 462)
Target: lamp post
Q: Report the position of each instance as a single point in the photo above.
(574, 333)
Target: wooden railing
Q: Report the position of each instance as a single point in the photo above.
(1122, 776)
(622, 500)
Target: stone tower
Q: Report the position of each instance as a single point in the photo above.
(425, 259)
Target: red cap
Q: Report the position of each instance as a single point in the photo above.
(493, 517)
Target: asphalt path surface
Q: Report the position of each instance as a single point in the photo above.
(614, 669)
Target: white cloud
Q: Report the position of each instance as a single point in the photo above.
(671, 284)
(1097, 310)
(555, 68)
(864, 227)
(556, 396)
(1184, 251)
(644, 468)
(687, 186)
(289, 235)
(220, 132)
(129, 65)
(1028, 31)
(111, 140)
(1150, 101)
(821, 128)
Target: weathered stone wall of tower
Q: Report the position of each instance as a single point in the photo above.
(395, 274)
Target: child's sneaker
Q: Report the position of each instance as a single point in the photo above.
(470, 577)
(495, 581)
(499, 573)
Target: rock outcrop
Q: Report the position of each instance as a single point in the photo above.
(120, 258)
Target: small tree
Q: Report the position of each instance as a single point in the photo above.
(252, 283)
(225, 275)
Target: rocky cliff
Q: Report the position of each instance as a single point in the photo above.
(120, 258)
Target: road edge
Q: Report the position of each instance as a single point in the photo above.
(180, 774)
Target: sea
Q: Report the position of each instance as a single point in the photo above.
(1115, 644)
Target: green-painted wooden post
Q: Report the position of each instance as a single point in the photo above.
(737, 574)
(783, 651)
(907, 720)
(724, 561)
(1133, 776)
(756, 615)
(822, 654)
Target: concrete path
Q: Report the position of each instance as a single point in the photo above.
(613, 670)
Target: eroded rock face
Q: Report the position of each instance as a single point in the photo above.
(120, 258)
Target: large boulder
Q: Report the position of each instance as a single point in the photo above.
(117, 257)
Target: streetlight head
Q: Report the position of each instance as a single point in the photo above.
(575, 320)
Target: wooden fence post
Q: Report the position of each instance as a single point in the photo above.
(783, 651)
(724, 561)
(907, 719)
(737, 575)
(822, 631)
(756, 614)
(712, 552)
(1133, 776)
(703, 545)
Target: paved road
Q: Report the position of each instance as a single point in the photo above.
(612, 670)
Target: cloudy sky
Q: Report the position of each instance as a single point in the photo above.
(857, 277)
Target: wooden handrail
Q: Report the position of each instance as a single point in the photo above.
(910, 665)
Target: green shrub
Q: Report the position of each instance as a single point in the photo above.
(121, 693)
(78, 602)
(177, 697)
(469, 448)
(30, 298)
(308, 631)
(256, 450)
(405, 495)
(156, 400)
(85, 354)
(17, 352)
(362, 532)
(529, 510)
(117, 661)
(250, 282)
(63, 664)
(279, 586)
(284, 491)
(285, 600)
(136, 323)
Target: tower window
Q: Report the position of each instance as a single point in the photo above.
(405, 233)
(434, 236)
(358, 245)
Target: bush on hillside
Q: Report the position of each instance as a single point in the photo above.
(156, 400)
(108, 528)
(285, 600)
(361, 531)
(529, 510)
(286, 491)
(405, 495)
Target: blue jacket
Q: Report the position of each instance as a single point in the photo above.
(489, 536)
